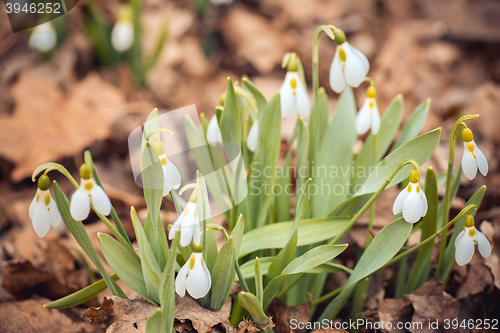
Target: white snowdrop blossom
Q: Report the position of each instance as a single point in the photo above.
(43, 38)
(171, 175)
(472, 158)
(188, 224)
(88, 192)
(368, 116)
(293, 96)
(466, 241)
(122, 35)
(411, 200)
(214, 135)
(349, 66)
(253, 136)
(43, 209)
(194, 277)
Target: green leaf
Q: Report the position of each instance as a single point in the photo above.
(449, 255)
(81, 296)
(335, 156)
(420, 271)
(237, 235)
(419, 149)
(167, 287)
(150, 269)
(154, 323)
(455, 184)
(223, 275)
(302, 153)
(259, 98)
(317, 124)
(414, 124)
(275, 236)
(125, 266)
(382, 248)
(230, 124)
(389, 125)
(268, 144)
(78, 231)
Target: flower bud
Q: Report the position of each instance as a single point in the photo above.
(43, 182)
(339, 36)
(414, 176)
(85, 173)
(249, 302)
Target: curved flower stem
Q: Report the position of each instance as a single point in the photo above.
(315, 55)
(243, 93)
(449, 176)
(156, 131)
(54, 166)
(327, 296)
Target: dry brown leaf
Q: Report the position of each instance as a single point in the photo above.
(248, 326)
(92, 314)
(31, 317)
(131, 315)
(203, 320)
(394, 311)
(45, 126)
(478, 278)
(284, 313)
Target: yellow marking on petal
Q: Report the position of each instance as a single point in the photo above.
(371, 105)
(342, 55)
(418, 189)
(472, 232)
(293, 82)
(409, 188)
(186, 211)
(37, 196)
(191, 262)
(164, 161)
(88, 186)
(47, 199)
(471, 149)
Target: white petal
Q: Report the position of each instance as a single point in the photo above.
(363, 118)
(398, 203)
(43, 38)
(175, 176)
(363, 58)
(482, 163)
(483, 244)
(80, 205)
(180, 280)
(464, 250)
(253, 136)
(337, 79)
(469, 165)
(166, 181)
(33, 204)
(355, 68)
(175, 227)
(196, 232)
(198, 283)
(122, 35)
(412, 207)
(302, 99)
(214, 135)
(375, 119)
(100, 199)
(55, 217)
(460, 235)
(424, 202)
(186, 234)
(41, 220)
(287, 98)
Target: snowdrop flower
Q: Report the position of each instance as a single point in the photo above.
(171, 175)
(411, 200)
(194, 277)
(122, 35)
(348, 66)
(473, 158)
(43, 38)
(368, 116)
(88, 192)
(293, 95)
(464, 244)
(252, 137)
(188, 224)
(43, 209)
(214, 136)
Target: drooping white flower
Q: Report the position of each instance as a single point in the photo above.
(214, 135)
(194, 277)
(349, 66)
(293, 96)
(368, 116)
(253, 136)
(122, 35)
(88, 192)
(43, 38)
(43, 209)
(411, 200)
(188, 224)
(171, 175)
(472, 158)
(466, 241)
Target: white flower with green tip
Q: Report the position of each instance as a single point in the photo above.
(368, 116)
(466, 241)
(472, 158)
(194, 277)
(43, 38)
(171, 175)
(188, 224)
(43, 209)
(293, 96)
(411, 200)
(214, 135)
(88, 192)
(122, 35)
